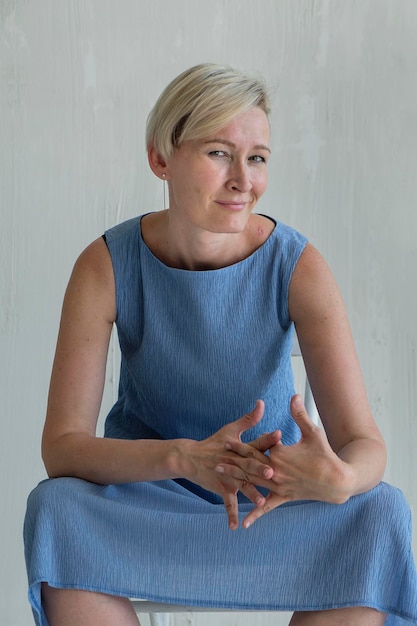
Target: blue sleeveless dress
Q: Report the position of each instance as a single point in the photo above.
(198, 350)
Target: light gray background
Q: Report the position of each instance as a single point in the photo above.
(78, 78)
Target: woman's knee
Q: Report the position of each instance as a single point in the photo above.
(388, 504)
(49, 503)
(53, 491)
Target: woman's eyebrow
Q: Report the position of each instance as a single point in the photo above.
(226, 142)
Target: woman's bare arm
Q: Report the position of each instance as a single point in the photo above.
(333, 369)
(69, 444)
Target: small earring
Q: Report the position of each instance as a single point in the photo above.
(164, 175)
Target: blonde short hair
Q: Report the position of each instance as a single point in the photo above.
(200, 101)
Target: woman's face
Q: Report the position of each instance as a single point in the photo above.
(214, 183)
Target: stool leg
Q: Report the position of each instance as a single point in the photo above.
(159, 619)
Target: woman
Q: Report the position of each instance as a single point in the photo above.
(205, 296)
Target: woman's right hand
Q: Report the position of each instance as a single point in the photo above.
(205, 459)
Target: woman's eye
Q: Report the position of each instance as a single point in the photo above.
(218, 153)
(257, 158)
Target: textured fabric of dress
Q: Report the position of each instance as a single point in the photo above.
(198, 349)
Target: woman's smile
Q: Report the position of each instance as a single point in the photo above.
(232, 206)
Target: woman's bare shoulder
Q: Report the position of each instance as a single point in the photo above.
(92, 279)
(259, 230)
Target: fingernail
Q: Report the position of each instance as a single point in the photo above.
(297, 401)
(227, 446)
(246, 524)
(219, 469)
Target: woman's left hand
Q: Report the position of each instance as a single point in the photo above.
(307, 470)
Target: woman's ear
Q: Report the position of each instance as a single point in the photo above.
(157, 163)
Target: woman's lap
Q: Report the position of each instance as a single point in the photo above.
(156, 540)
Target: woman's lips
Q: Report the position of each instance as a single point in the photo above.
(233, 206)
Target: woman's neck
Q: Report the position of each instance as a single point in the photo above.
(182, 247)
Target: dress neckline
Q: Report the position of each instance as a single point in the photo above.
(247, 259)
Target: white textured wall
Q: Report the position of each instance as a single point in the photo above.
(78, 78)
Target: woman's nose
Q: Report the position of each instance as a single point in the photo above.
(240, 178)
